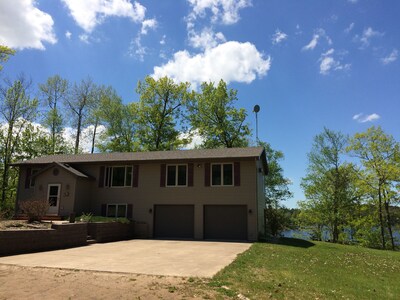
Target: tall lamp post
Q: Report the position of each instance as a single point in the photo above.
(256, 109)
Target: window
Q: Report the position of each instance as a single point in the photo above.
(177, 175)
(32, 178)
(116, 210)
(118, 176)
(222, 174)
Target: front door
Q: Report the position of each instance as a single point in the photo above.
(53, 196)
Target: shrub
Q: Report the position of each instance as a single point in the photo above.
(35, 209)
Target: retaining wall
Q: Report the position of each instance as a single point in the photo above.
(110, 232)
(58, 237)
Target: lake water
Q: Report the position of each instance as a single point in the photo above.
(305, 235)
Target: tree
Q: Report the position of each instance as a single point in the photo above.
(379, 154)
(5, 53)
(17, 110)
(160, 113)
(218, 122)
(79, 103)
(327, 184)
(54, 92)
(120, 124)
(276, 191)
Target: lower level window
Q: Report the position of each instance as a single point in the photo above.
(116, 210)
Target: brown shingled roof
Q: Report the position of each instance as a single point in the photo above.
(250, 152)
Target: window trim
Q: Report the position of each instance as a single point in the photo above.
(176, 175)
(222, 174)
(116, 209)
(108, 176)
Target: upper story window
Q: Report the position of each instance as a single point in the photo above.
(177, 175)
(32, 178)
(118, 176)
(222, 174)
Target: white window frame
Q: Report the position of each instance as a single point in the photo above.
(110, 169)
(222, 174)
(176, 175)
(116, 209)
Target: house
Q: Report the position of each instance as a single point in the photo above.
(199, 194)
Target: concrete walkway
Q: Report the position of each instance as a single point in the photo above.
(152, 257)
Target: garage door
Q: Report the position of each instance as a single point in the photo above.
(174, 221)
(225, 222)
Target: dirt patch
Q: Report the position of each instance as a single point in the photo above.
(23, 225)
(45, 283)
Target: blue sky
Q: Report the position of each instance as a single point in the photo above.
(308, 64)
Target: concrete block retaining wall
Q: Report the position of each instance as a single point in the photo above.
(111, 232)
(58, 237)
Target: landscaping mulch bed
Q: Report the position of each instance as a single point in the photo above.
(22, 225)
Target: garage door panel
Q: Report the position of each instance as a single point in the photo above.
(225, 222)
(174, 221)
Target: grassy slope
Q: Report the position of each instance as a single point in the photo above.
(304, 270)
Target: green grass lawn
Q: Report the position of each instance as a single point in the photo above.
(298, 269)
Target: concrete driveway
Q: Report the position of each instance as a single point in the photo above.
(152, 257)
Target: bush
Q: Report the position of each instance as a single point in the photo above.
(35, 209)
(90, 218)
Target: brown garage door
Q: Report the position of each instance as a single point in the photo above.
(174, 221)
(225, 222)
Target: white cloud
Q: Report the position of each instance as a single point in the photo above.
(312, 44)
(231, 61)
(350, 28)
(361, 118)
(328, 63)
(196, 139)
(279, 37)
(23, 25)
(148, 24)
(90, 13)
(84, 38)
(136, 49)
(68, 34)
(162, 41)
(319, 33)
(206, 39)
(392, 57)
(367, 35)
(223, 11)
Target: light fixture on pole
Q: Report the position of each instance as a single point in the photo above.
(256, 109)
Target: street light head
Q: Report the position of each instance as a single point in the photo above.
(256, 108)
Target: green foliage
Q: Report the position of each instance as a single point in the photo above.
(379, 177)
(216, 119)
(120, 122)
(54, 93)
(89, 217)
(35, 209)
(17, 110)
(5, 53)
(329, 186)
(160, 113)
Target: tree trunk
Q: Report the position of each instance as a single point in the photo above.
(381, 217)
(94, 136)
(78, 133)
(388, 219)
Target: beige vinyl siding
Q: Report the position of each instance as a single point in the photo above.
(149, 193)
